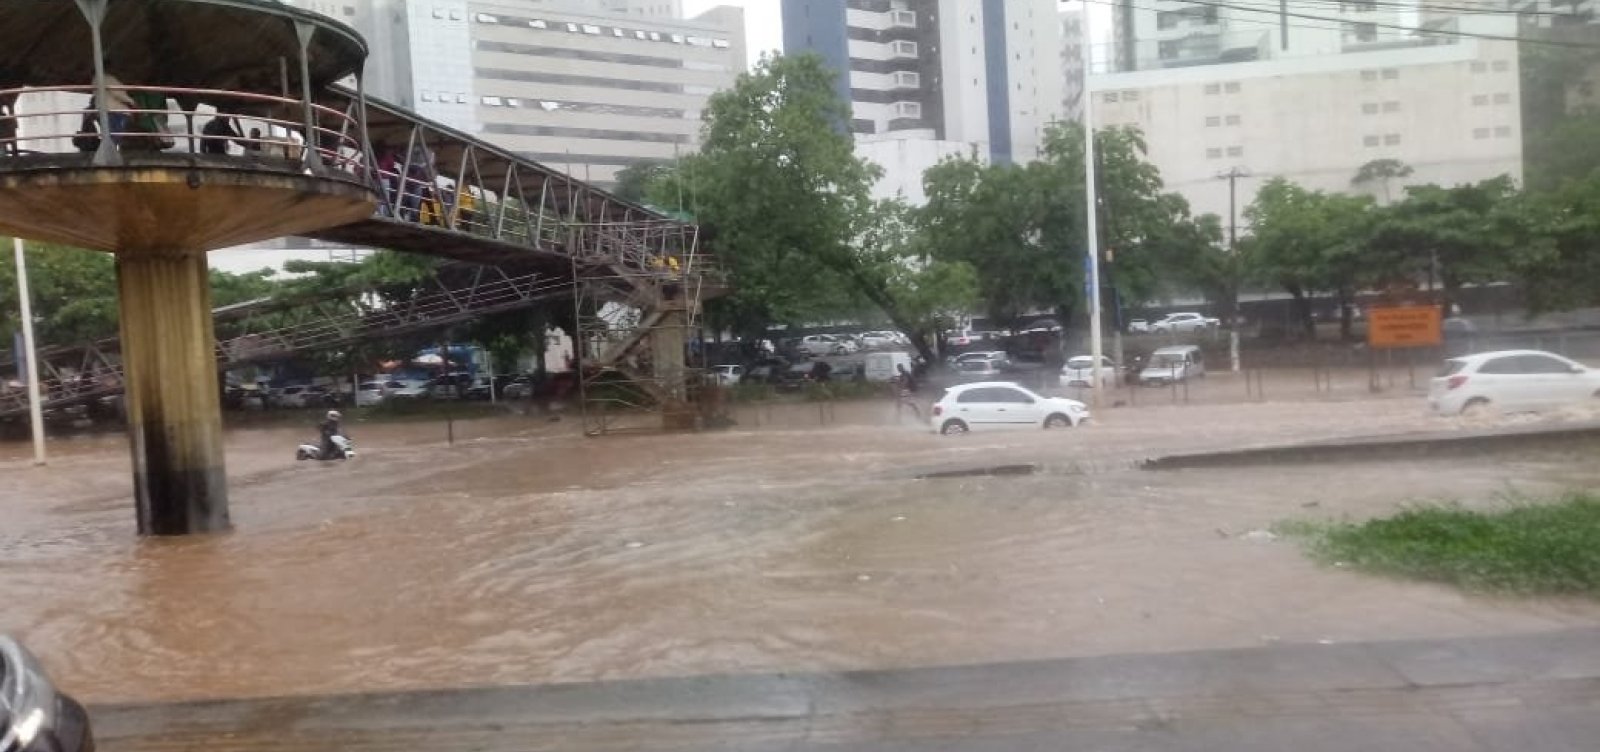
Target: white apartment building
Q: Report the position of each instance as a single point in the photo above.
(1447, 106)
(591, 93)
(1072, 65)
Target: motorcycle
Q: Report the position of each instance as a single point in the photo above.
(343, 449)
(34, 716)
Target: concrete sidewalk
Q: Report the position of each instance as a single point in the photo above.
(1521, 693)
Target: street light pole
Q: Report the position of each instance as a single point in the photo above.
(1232, 176)
(1091, 219)
(29, 353)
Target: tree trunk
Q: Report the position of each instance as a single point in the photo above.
(1346, 315)
(879, 297)
(1302, 308)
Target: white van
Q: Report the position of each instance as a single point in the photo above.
(1172, 364)
(883, 366)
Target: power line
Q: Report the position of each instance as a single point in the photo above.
(1460, 10)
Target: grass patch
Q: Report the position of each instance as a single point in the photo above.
(1533, 548)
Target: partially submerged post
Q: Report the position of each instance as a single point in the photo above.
(129, 191)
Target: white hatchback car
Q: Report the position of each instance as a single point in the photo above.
(1001, 404)
(1511, 381)
(1079, 371)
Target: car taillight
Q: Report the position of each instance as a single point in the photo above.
(1454, 382)
(938, 410)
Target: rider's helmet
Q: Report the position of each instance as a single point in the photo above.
(334, 415)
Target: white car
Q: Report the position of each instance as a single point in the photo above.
(369, 394)
(880, 339)
(409, 389)
(1511, 381)
(1185, 322)
(817, 345)
(987, 405)
(1080, 371)
(727, 375)
(1138, 326)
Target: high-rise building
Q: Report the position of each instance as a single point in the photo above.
(1176, 34)
(1072, 42)
(585, 86)
(927, 79)
(1446, 105)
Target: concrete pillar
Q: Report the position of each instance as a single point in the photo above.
(667, 340)
(174, 411)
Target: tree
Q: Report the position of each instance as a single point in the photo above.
(788, 203)
(1463, 234)
(1556, 256)
(1381, 172)
(633, 181)
(1567, 151)
(929, 294)
(1022, 228)
(1306, 241)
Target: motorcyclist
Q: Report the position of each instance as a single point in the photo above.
(330, 428)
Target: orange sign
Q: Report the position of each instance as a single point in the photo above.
(1404, 326)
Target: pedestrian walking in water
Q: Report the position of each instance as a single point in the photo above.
(905, 392)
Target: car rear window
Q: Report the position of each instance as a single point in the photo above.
(1451, 367)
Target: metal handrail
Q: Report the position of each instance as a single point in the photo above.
(334, 144)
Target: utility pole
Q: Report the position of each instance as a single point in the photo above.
(1091, 210)
(1232, 176)
(29, 354)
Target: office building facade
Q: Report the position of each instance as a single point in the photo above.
(1447, 106)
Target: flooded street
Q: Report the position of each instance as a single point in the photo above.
(528, 554)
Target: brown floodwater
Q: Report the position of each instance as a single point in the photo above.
(526, 553)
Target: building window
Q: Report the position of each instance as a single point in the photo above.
(455, 15)
(1213, 88)
(426, 96)
(677, 39)
(904, 19)
(537, 24)
(486, 18)
(655, 36)
(1502, 131)
(1236, 151)
(1213, 121)
(1393, 106)
(1479, 100)
(438, 12)
(1233, 120)
(1369, 108)
(908, 109)
(1369, 140)
(1390, 74)
(1369, 75)
(1127, 96)
(1502, 66)
(493, 101)
(1360, 32)
(639, 35)
(907, 79)
(462, 99)
(618, 33)
(1502, 98)
(1213, 154)
(904, 47)
(1109, 97)
(1478, 66)
(1391, 139)
(1357, 6)
(1480, 133)
(1232, 87)
(720, 44)
(572, 28)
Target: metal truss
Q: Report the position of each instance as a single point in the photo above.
(275, 330)
(635, 357)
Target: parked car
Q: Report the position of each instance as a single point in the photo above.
(286, 396)
(408, 389)
(34, 715)
(478, 389)
(1138, 326)
(963, 338)
(994, 404)
(727, 375)
(794, 378)
(369, 393)
(1172, 364)
(885, 366)
(956, 360)
(980, 369)
(1080, 371)
(1185, 322)
(880, 339)
(818, 345)
(520, 387)
(1511, 381)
